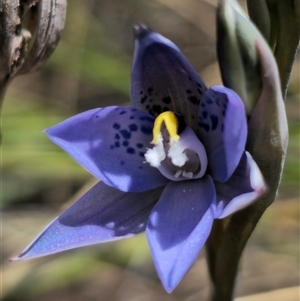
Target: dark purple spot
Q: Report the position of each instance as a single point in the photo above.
(199, 85)
(117, 144)
(139, 145)
(193, 100)
(223, 112)
(97, 116)
(123, 112)
(125, 134)
(165, 109)
(190, 78)
(117, 136)
(146, 118)
(140, 167)
(204, 114)
(150, 90)
(122, 162)
(112, 147)
(141, 92)
(142, 154)
(199, 91)
(131, 117)
(156, 109)
(116, 126)
(143, 99)
(133, 127)
(146, 130)
(125, 143)
(204, 126)
(130, 150)
(203, 105)
(167, 100)
(209, 101)
(214, 120)
(133, 110)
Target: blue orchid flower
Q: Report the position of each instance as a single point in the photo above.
(169, 164)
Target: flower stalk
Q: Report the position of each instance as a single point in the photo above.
(267, 142)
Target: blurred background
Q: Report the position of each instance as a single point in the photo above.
(91, 68)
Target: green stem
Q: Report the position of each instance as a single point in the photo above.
(212, 246)
(235, 237)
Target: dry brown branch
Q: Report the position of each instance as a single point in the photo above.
(29, 33)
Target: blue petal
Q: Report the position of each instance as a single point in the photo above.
(110, 143)
(179, 226)
(243, 188)
(102, 214)
(162, 77)
(223, 130)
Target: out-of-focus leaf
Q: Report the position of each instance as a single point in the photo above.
(291, 172)
(54, 274)
(30, 160)
(95, 66)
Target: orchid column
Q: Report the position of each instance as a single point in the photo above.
(249, 67)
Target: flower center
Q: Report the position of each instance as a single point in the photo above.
(177, 151)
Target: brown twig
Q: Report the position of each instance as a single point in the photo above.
(45, 21)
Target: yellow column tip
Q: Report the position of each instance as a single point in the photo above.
(171, 123)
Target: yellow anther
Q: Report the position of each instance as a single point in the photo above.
(171, 123)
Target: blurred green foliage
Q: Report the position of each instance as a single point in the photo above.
(291, 174)
(30, 161)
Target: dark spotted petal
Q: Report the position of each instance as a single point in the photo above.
(223, 130)
(162, 78)
(243, 188)
(110, 143)
(178, 227)
(102, 214)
